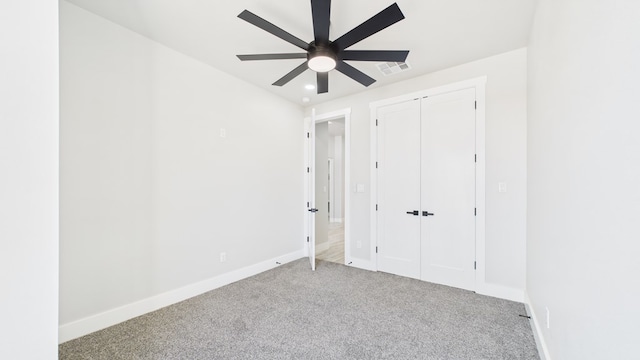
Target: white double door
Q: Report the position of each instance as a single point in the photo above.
(426, 189)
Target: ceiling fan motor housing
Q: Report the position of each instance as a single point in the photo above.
(321, 57)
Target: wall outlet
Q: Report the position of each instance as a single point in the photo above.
(548, 317)
(359, 244)
(223, 256)
(223, 132)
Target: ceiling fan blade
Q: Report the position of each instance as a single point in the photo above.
(375, 55)
(380, 21)
(354, 73)
(251, 57)
(292, 74)
(263, 24)
(321, 12)
(323, 82)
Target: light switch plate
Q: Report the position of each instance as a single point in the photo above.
(502, 187)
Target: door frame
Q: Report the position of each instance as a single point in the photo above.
(320, 118)
(331, 190)
(479, 85)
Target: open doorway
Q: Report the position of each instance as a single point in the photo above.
(330, 190)
(327, 178)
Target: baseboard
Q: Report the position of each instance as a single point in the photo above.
(501, 292)
(321, 247)
(493, 290)
(361, 264)
(115, 316)
(543, 351)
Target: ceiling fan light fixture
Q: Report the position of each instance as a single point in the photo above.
(324, 55)
(322, 62)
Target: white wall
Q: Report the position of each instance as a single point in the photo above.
(505, 162)
(338, 190)
(29, 179)
(584, 178)
(336, 152)
(151, 194)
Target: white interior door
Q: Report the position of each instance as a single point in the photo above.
(398, 218)
(311, 209)
(448, 189)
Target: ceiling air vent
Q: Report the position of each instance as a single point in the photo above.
(390, 68)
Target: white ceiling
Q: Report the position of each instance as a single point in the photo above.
(439, 34)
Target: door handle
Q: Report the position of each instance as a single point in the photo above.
(426, 213)
(313, 210)
(414, 212)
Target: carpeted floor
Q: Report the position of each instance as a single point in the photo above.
(336, 312)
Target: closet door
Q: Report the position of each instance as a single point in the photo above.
(448, 189)
(398, 194)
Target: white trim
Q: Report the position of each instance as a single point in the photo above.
(361, 264)
(373, 184)
(334, 115)
(115, 316)
(460, 85)
(305, 174)
(501, 292)
(347, 186)
(311, 185)
(479, 85)
(481, 184)
(543, 351)
(322, 247)
(306, 179)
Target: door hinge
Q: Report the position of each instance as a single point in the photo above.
(376, 249)
(307, 169)
(307, 204)
(376, 207)
(376, 122)
(307, 239)
(308, 135)
(475, 158)
(475, 105)
(376, 164)
(474, 265)
(475, 211)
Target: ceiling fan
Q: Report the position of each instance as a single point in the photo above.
(324, 55)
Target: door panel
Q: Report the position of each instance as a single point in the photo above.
(399, 189)
(311, 161)
(448, 189)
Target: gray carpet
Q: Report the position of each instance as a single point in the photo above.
(336, 312)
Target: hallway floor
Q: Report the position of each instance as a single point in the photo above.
(335, 251)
